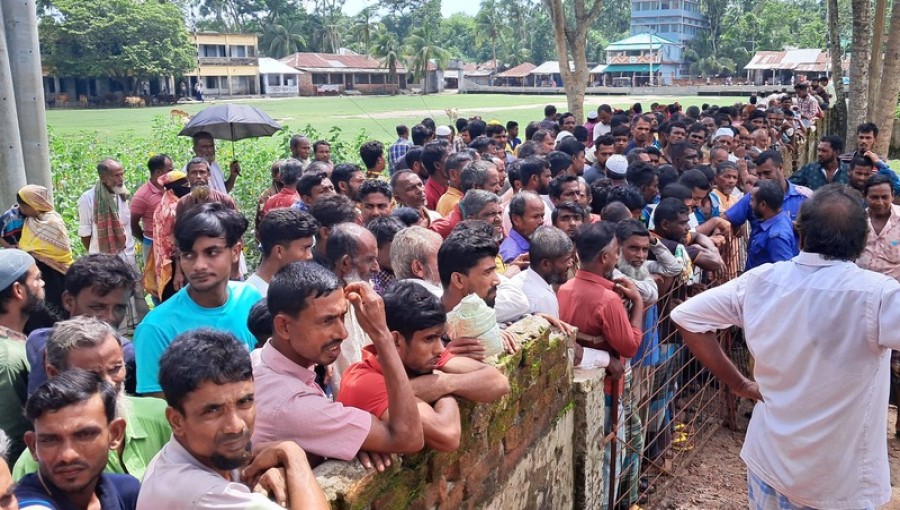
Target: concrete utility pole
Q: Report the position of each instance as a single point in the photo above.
(12, 162)
(21, 32)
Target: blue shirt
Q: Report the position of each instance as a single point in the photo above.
(741, 212)
(11, 223)
(115, 492)
(513, 246)
(179, 314)
(772, 241)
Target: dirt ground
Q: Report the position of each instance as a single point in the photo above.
(716, 479)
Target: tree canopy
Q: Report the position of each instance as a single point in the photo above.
(127, 40)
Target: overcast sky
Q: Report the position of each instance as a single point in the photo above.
(447, 7)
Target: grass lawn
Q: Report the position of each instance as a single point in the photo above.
(376, 115)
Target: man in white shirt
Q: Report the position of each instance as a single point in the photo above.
(205, 147)
(116, 222)
(551, 256)
(602, 127)
(285, 236)
(811, 442)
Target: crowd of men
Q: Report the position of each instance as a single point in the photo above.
(337, 345)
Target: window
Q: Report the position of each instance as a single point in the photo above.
(319, 79)
(239, 51)
(273, 80)
(361, 78)
(378, 78)
(212, 82)
(212, 50)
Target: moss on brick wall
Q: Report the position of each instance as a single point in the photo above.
(495, 438)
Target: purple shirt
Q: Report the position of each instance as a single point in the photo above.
(290, 406)
(513, 246)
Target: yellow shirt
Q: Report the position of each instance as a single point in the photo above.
(448, 201)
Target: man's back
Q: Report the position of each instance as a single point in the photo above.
(819, 436)
(179, 314)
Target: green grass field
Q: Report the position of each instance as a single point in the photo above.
(376, 115)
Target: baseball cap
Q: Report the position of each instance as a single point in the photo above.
(13, 264)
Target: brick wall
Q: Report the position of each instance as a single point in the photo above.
(515, 453)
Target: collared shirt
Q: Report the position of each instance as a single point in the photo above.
(11, 223)
(448, 201)
(741, 212)
(787, 311)
(397, 151)
(594, 173)
(813, 176)
(541, 298)
(284, 199)
(809, 107)
(365, 386)
(36, 346)
(882, 252)
(146, 432)
(433, 192)
(726, 201)
(382, 281)
(216, 177)
(444, 226)
(589, 303)
(143, 205)
(288, 393)
(176, 480)
(513, 246)
(773, 241)
(13, 388)
(115, 492)
(87, 226)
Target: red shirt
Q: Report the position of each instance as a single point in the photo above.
(433, 192)
(589, 303)
(363, 385)
(284, 199)
(446, 225)
(143, 205)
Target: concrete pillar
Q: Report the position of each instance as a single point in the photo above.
(20, 27)
(12, 163)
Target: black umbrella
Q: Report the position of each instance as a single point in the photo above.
(231, 122)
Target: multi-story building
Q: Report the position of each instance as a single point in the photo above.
(676, 20)
(227, 64)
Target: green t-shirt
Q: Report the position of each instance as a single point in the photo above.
(146, 432)
(13, 389)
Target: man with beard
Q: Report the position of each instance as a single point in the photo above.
(347, 178)
(205, 149)
(434, 155)
(827, 168)
(201, 192)
(302, 294)
(300, 149)
(209, 238)
(104, 215)
(592, 302)
(414, 257)
(75, 426)
(352, 253)
(684, 156)
(550, 257)
(21, 294)
(453, 167)
(526, 213)
(861, 169)
(409, 191)
(866, 135)
(466, 263)
(417, 322)
(207, 379)
(92, 345)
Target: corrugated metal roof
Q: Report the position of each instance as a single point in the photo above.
(765, 60)
(549, 67)
(333, 61)
(599, 69)
(272, 66)
(639, 42)
(520, 71)
(803, 60)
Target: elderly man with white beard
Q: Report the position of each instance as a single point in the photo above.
(649, 276)
(352, 254)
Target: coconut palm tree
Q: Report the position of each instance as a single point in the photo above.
(364, 28)
(283, 38)
(388, 49)
(489, 23)
(420, 51)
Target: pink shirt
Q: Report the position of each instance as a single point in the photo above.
(290, 406)
(882, 252)
(143, 205)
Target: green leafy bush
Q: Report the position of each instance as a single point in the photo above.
(73, 160)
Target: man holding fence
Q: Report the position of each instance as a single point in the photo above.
(809, 445)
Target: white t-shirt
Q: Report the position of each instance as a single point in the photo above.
(87, 227)
(601, 129)
(258, 283)
(541, 298)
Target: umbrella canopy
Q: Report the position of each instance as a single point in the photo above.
(231, 122)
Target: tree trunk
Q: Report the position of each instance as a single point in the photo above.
(570, 40)
(857, 107)
(20, 27)
(839, 101)
(12, 161)
(890, 85)
(875, 64)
